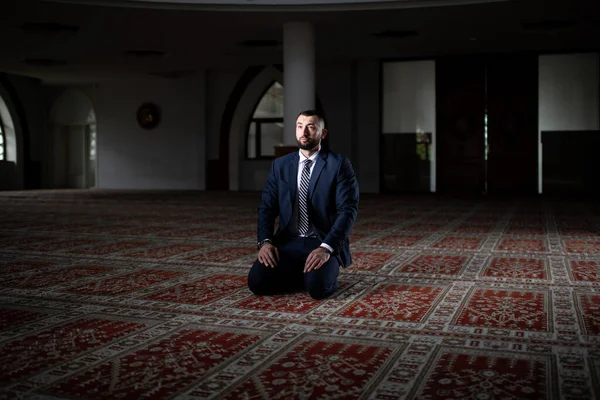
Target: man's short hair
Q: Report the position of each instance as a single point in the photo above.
(314, 113)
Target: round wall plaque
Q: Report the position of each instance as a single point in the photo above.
(148, 115)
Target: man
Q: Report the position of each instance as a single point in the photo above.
(314, 193)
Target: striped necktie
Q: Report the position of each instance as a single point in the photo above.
(303, 199)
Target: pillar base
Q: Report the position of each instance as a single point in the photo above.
(281, 151)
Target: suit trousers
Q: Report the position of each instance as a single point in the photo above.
(288, 276)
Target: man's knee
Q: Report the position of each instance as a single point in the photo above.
(323, 283)
(257, 281)
(255, 286)
(319, 290)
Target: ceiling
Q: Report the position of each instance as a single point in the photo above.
(64, 43)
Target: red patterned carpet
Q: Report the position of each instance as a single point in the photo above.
(130, 295)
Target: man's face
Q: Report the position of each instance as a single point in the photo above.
(309, 132)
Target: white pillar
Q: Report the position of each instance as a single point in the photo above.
(298, 75)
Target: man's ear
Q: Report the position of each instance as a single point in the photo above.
(323, 133)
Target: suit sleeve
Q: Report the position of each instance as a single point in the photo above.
(268, 209)
(346, 198)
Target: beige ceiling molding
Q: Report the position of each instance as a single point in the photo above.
(274, 5)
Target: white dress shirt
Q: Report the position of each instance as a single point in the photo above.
(303, 159)
(301, 162)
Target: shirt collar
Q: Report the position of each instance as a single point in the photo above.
(303, 158)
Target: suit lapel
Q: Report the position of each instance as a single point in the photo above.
(292, 177)
(314, 177)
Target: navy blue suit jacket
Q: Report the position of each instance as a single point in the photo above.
(332, 207)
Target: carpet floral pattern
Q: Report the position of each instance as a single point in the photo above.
(129, 295)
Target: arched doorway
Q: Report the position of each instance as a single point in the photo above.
(266, 126)
(11, 165)
(244, 171)
(73, 141)
(245, 174)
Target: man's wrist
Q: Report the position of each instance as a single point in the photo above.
(327, 248)
(263, 242)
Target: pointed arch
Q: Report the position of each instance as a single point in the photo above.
(242, 117)
(8, 150)
(12, 162)
(2, 141)
(265, 128)
(73, 107)
(73, 145)
(235, 120)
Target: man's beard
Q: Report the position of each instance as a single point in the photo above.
(309, 144)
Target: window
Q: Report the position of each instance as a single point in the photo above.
(92, 128)
(266, 127)
(91, 120)
(2, 142)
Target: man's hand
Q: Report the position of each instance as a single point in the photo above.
(316, 259)
(268, 255)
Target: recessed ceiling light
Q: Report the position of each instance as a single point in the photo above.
(260, 43)
(146, 53)
(44, 62)
(548, 25)
(49, 27)
(174, 74)
(396, 34)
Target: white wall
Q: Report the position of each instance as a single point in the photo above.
(58, 161)
(568, 96)
(408, 96)
(76, 159)
(171, 156)
(568, 92)
(409, 102)
(219, 85)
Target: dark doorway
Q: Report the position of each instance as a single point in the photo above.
(460, 102)
(512, 124)
(406, 163)
(570, 163)
(487, 124)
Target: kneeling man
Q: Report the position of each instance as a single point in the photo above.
(315, 194)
